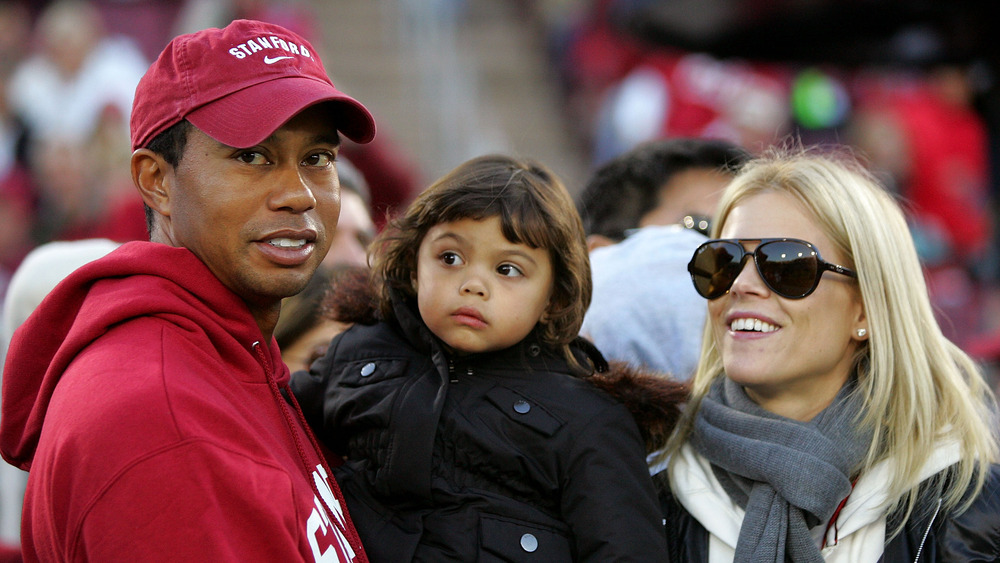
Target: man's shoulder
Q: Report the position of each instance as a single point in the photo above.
(149, 373)
(653, 245)
(116, 385)
(118, 403)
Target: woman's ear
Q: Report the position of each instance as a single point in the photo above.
(151, 175)
(861, 333)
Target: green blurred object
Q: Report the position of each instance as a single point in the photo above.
(818, 101)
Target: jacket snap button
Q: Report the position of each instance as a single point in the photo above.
(529, 543)
(522, 407)
(534, 350)
(367, 369)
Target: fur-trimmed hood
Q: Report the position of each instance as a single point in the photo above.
(653, 398)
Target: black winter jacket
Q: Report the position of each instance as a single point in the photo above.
(929, 537)
(503, 456)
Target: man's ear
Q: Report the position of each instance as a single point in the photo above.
(151, 175)
(597, 241)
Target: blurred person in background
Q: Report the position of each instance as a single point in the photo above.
(644, 212)
(930, 146)
(305, 328)
(673, 93)
(657, 182)
(73, 93)
(43, 268)
(16, 213)
(355, 229)
(78, 194)
(74, 73)
(17, 207)
(307, 324)
(17, 197)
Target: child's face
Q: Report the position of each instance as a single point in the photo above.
(476, 290)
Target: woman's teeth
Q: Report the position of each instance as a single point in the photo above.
(753, 325)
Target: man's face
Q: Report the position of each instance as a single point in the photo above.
(355, 231)
(261, 218)
(692, 191)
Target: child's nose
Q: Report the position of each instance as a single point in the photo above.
(474, 285)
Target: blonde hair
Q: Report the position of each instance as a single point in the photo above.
(918, 387)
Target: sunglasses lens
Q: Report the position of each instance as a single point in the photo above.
(789, 268)
(714, 267)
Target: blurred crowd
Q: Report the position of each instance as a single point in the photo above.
(915, 107)
(68, 71)
(913, 93)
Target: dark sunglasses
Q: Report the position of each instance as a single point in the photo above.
(789, 267)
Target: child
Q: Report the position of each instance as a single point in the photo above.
(469, 427)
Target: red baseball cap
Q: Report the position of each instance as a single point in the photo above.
(238, 85)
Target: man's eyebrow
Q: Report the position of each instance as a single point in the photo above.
(327, 139)
(318, 139)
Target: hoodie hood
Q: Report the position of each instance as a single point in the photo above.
(139, 279)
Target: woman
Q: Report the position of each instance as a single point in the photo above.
(830, 419)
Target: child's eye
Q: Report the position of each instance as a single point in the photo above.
(451, 259)
(509, 270)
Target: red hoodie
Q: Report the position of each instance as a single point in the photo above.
(148, 412)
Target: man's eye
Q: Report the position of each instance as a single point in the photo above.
(509, 270)
(319, 159)
(251, 157)
(451, 259)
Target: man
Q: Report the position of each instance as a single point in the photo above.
(657, 183)
(146, 395)
(355, 229)
(645, 212)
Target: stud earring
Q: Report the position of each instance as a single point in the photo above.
(862, 332)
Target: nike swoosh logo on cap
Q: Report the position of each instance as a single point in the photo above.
(271, 61)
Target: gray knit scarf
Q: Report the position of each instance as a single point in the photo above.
(787, 475)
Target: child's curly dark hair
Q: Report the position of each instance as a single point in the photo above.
(534, 208)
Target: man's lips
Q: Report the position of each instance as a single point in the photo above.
(288, 247)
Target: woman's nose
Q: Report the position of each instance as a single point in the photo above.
(749, 281)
